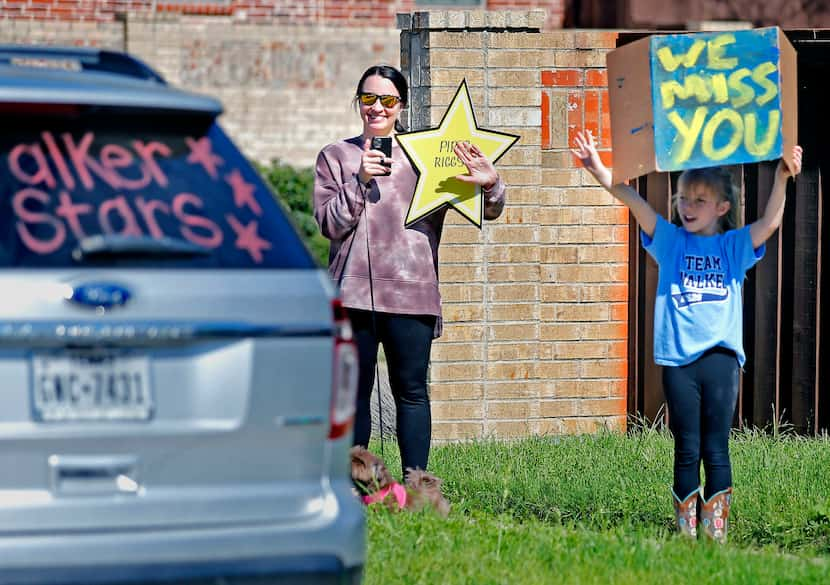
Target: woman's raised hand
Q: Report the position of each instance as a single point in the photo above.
(480, 170)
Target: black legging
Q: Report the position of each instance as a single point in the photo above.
(701, 397)
(407, 341)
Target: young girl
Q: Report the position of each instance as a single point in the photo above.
(388, 274)
(698, 335)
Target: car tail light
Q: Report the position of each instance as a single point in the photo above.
(344, 375)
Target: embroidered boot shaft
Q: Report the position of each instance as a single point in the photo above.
(714, 515)
(685, 513)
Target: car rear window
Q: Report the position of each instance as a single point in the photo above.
(72, 176)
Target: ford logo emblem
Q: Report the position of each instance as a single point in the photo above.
(100, 294)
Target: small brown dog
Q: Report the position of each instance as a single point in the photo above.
(421, 489)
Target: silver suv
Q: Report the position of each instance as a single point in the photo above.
(178, 379)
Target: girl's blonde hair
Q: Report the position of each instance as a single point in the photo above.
(719, 181)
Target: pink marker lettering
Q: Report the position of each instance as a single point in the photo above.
(35, 244)
(59, 160)
(145, 153)
(148, 209)
(115, 157)
(197, 221)
(120, 206)
(83, 163)
(71, 213)
(42, 175)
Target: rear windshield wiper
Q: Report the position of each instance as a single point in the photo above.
(103, 247)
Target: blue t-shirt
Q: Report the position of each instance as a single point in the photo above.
(699, 304)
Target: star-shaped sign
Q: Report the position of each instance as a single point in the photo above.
(431, 153)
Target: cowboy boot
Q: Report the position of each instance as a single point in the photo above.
(714, 515)
(685, 513)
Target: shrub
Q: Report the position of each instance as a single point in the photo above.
(293, 188)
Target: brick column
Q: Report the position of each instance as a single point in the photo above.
(584, 244)
(535, 303)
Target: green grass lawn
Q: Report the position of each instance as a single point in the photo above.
(597, 509)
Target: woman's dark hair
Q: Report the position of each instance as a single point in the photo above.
(397, 79)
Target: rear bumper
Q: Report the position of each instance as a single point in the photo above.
(329, 548)
(309, 569)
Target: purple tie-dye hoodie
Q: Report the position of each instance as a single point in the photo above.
(404, 261)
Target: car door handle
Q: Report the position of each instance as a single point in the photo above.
(77, 475)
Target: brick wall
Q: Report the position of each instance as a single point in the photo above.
(284, 69)
(535, 304)
(287, 91)
(349, 13)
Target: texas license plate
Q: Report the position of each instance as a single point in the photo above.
(91, 387)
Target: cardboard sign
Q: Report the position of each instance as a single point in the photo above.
(702, 99)
(431, 153)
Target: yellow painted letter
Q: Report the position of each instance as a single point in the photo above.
(693, 85)
(670, 62)
(760, 76)
(688, 134)
(714, 53)
(719, 88)
(750, 122)
(745, 92)
(708, 142)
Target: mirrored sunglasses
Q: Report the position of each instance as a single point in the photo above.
(387, 101)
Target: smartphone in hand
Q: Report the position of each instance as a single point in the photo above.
(384, 144)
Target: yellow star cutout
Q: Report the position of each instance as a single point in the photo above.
(431, 153)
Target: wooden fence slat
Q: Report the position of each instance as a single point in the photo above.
(658, 194)
(804, 376)
(766, 318)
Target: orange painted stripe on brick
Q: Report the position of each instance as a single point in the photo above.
(569, 77)
(606, 157)
(562, 78)
(605, 120)
(592, 111)
(545, 120)
(596, 78)
(610, 39)
(619, 312)
(575, 115)
(621, 370)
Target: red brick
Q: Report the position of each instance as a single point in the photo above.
(562, 78)
(596, 78)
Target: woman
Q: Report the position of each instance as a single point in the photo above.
(388, 274)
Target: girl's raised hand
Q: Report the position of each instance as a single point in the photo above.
(481, 170)
(586, 151)
(787, 170)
